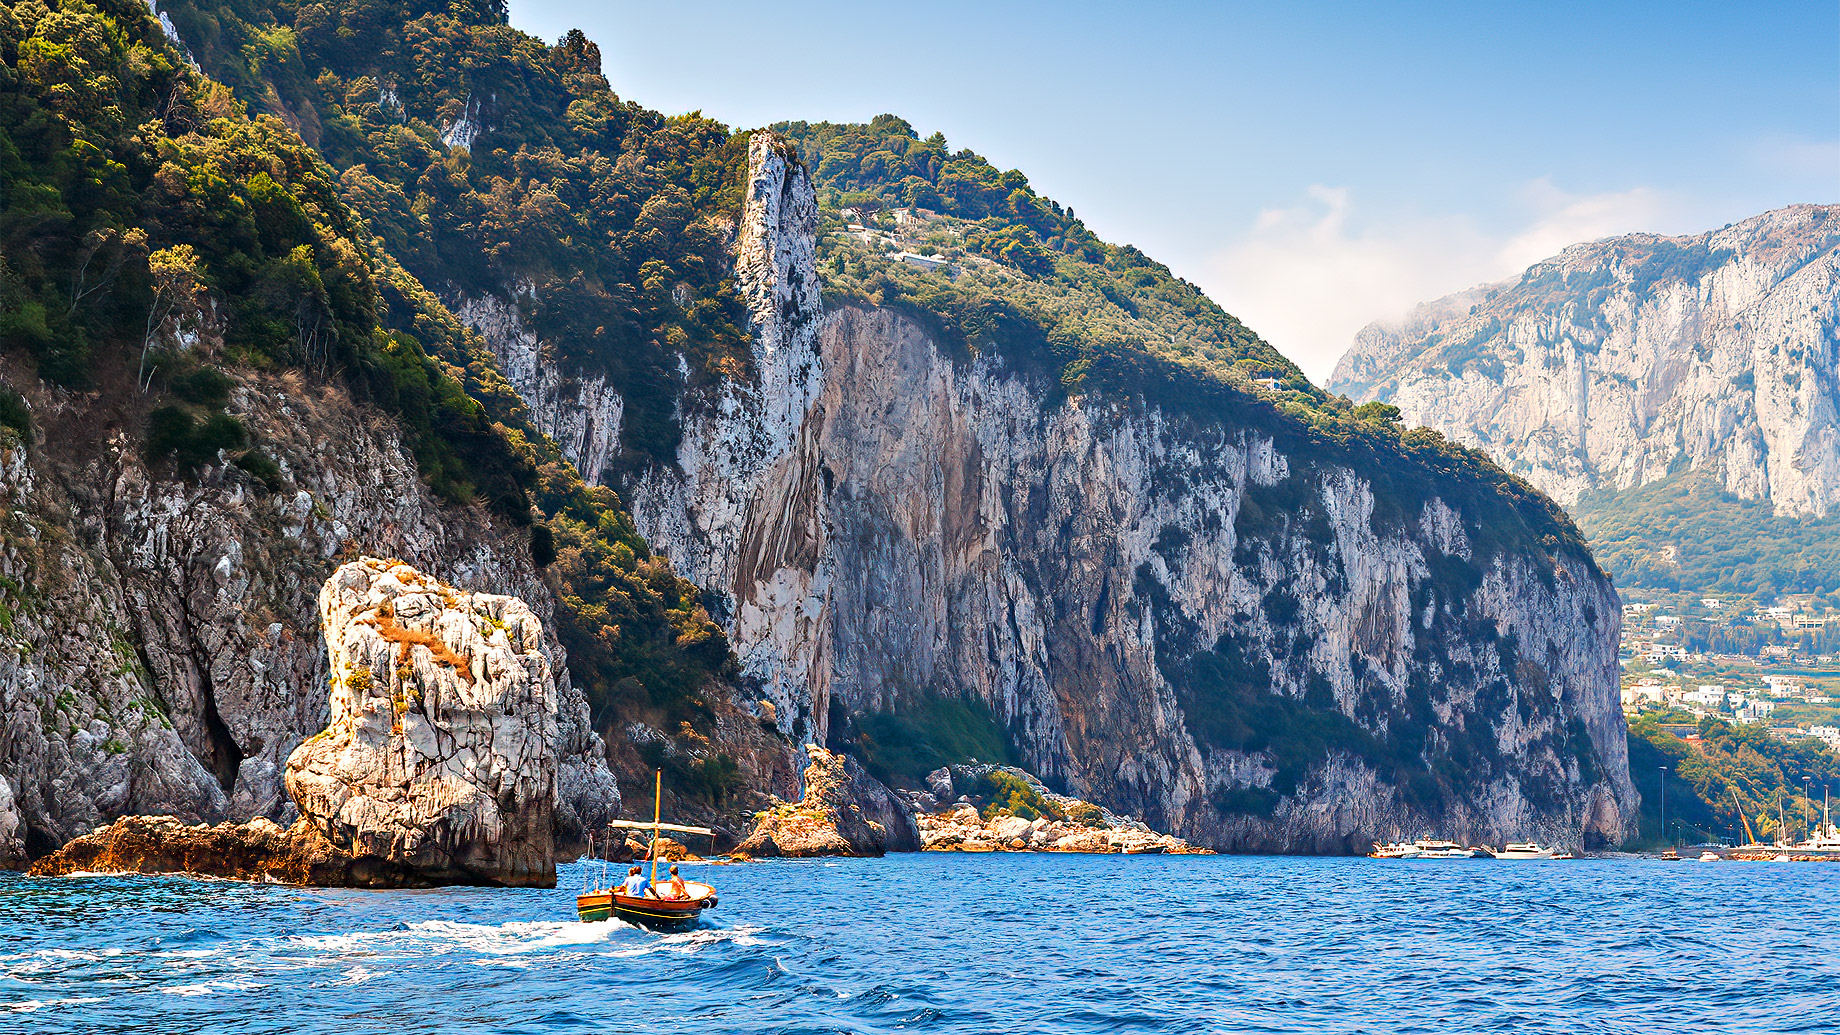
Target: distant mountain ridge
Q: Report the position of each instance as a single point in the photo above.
(1618, 362)
(1662, 388)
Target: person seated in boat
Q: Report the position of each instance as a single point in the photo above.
(675, 889)
(636, 885)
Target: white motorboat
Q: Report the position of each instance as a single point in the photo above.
(1432, 849)
(1708, 857)
(1524, 850)
(1396, 850)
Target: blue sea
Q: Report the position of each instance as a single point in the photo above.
(955, 943)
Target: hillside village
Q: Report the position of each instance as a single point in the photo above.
(1775, 663)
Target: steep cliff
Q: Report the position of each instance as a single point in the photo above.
(1619, 362)
(1191, 608)
(1174, 578)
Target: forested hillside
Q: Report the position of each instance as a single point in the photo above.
(487, 160)
(1725, 777)
(1685, 532)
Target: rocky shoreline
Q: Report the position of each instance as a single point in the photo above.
(969, 808)
(844, 812)
(1020, 814)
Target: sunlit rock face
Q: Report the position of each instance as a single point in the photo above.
(886, 520)
(441, 755)
(1619, 361)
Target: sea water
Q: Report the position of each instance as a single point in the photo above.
(954, 943)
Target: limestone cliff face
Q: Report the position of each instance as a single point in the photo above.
(581, 414)
(440, 756)
(1615, 362)
(161, 644)
(889, 519)
(742, 497)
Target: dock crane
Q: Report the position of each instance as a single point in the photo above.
(1738, 803)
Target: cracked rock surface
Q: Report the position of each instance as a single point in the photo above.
(441, 753)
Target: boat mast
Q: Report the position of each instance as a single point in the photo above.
(657, 804)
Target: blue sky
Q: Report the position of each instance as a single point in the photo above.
(1312, 166)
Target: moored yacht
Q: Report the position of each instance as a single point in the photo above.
(1524, 850)
(1825, 839)
(1431, 849)
(1396, 850)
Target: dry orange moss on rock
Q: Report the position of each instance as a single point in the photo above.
(384, 621)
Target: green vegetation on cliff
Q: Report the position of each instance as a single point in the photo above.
(1685, 532)
(1090, 317)
(138, 194)
(1077, 286)
(488, 161)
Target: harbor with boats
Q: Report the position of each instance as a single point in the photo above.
(1431, 848)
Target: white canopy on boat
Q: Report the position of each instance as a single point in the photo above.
(628, 824)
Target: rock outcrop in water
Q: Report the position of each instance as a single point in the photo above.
(844, 812)
(1617, 362)
(441, 755)
(259, 850)
(1028, 818)
(439, 765)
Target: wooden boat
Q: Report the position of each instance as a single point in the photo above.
(598, 902)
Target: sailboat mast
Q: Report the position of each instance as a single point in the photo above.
(657, 817)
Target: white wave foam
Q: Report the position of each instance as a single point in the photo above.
(35, 1005)
(213, 987)
(516, 937)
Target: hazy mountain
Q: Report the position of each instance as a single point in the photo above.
(1702, 368)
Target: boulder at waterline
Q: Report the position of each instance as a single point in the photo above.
(257, 850)
(440, 757)
(1001, 808)
(845, 811)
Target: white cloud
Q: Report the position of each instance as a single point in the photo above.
(1310, 276)
(1818, 160)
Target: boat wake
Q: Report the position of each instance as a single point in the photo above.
(503, 943)
(440, 937)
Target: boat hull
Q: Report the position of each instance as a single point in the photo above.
(659, 914)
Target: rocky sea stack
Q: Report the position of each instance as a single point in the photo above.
(844, 812)
(440, 758)
(439, 765)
